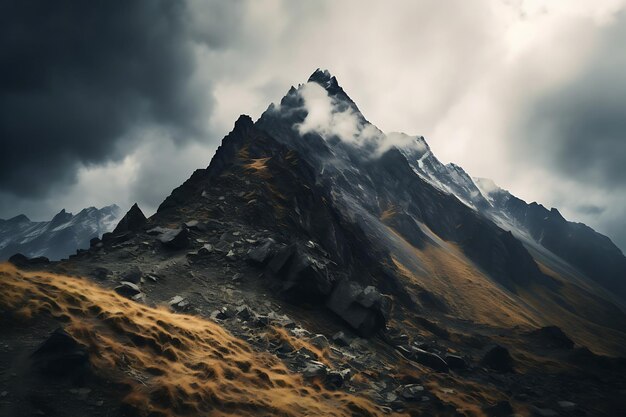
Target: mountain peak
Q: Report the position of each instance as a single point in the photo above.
(133, 220)
(243, 121)
(21, 218)
(61, 217)
(329, 83)
(325, 79)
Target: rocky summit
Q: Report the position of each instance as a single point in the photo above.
(319, 266)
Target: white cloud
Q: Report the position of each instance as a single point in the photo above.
(330, 118)
(326, 118)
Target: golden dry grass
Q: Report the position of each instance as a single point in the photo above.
(177, 364)
(258, 167)
(280, 333)
(468, 292)
(389, 213)
(471, 294)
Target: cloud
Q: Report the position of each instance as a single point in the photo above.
(331, 118)
(590, 209)
(487, 185)
(87, 89)
(576, 133)
(581, 126)
(79, 80)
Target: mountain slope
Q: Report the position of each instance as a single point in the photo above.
(387, 222)
(57, 238)
(187, 365)
(360, 262)
(579, 245)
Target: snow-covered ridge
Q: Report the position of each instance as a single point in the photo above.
(58, 237)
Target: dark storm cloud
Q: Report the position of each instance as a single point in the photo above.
(580, 128)
(78, 78)
(590, 209)
(577, 132)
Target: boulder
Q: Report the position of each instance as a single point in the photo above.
(304, 276)
(179, 303)
(429, 359)
(196, 225)
(261, 254)
(223, 314)
(455, 362)
(61, 355)
(281, 319)
(152, 277)
(498, 358)
(175, 239)
(133, 275)
(245, 313)
(133, 221)
(412, 392)
(342, 339)
(334, 380)
(20, 260)
(127, 289)
(315, 369)
(100, 273)
(365, 310)
(552, 337)
(319, 341)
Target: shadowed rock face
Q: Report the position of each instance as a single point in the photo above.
(61, 355)
(133, 220)
(594, 254)
(359, 182)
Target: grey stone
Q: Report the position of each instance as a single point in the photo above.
(455, 362)
(262, 253)
(498, 358)
(342, 339)
(245, 313)
(429, 359)
(566, 405)
(319, 341)
(133, 275)
(61, 355)
(315, 369)
(363, 309)
(412, 392)
(127, 289)
(175, 239)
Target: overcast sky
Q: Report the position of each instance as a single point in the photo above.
(115, 102)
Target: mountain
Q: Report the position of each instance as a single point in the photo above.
(587, 251)
(319, 266)
(57, 238)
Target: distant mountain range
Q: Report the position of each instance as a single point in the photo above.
(57, 238)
